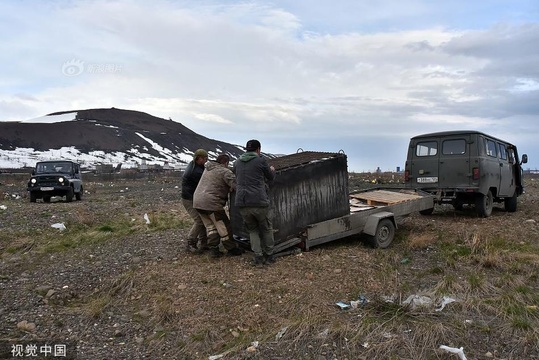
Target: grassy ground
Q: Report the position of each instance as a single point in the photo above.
(129, 287)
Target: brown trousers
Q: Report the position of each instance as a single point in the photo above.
(198, 230)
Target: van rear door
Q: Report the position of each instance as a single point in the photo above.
(423, 165)
(455, 169)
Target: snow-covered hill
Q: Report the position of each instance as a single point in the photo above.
(104, 136)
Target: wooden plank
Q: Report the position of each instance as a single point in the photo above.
(354, 208)
(358, 205)
(384, 197)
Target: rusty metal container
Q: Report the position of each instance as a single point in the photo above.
(309, 187)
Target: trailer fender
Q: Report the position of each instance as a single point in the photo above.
(372, 222)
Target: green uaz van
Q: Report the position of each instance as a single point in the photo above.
(465, 167)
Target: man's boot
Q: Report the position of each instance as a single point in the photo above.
(257, 261)
(235, 252)
(204, 245)
(215, 252)
(192, 246)
(269, 259)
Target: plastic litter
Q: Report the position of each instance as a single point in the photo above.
(415, 301)
(323, 334)
(458, 351)
(146, 218)
(445, 300)
(59, 226)
(362, 300)
(281, 333)
(253, 347)
(3, 207)
(342, 305)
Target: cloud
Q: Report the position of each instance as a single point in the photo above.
(212, 118)
(237, 70)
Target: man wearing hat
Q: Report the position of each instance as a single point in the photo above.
(210, 199)
(190, 180)
(253, 175)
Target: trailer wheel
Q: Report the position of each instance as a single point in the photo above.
(385, 232)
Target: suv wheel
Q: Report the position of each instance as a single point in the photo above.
(483, 204)
(33, 196)
(69, 195)
(46, 198)
(78, 195)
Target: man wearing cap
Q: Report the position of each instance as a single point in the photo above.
(210, 199)
(253, 176)
(190, 180)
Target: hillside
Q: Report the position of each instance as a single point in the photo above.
(103, 136)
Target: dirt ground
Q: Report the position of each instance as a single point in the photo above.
(112, 286)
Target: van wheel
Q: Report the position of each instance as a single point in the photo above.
(385, 232)
(483, 204)
(33, 196)
(427, 211)
(511, 203)
(47, 199)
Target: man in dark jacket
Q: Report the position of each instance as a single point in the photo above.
(190, 181)
(253, 176)
(210, 199)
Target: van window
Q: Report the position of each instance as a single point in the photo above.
(491, 148)
(427, 148)
(452, 147)
(503, 152)
(511, 155)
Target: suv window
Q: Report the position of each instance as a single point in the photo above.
(427, 148)
(452, 147)
(491, 148)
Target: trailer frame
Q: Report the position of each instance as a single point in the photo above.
(370, 218)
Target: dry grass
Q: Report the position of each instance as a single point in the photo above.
(191, 307)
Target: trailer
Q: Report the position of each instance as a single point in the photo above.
(373, 212)
(311, 204)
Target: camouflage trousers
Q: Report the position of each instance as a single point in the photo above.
(218, 228)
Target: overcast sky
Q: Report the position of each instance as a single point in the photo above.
(358, 76)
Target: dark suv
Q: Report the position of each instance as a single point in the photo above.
(55, 178)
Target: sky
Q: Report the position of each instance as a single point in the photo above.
(352, 75)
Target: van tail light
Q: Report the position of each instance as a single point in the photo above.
(475, 173)
(407, 175)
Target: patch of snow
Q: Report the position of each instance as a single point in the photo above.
(50, 119)
(27, 157)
